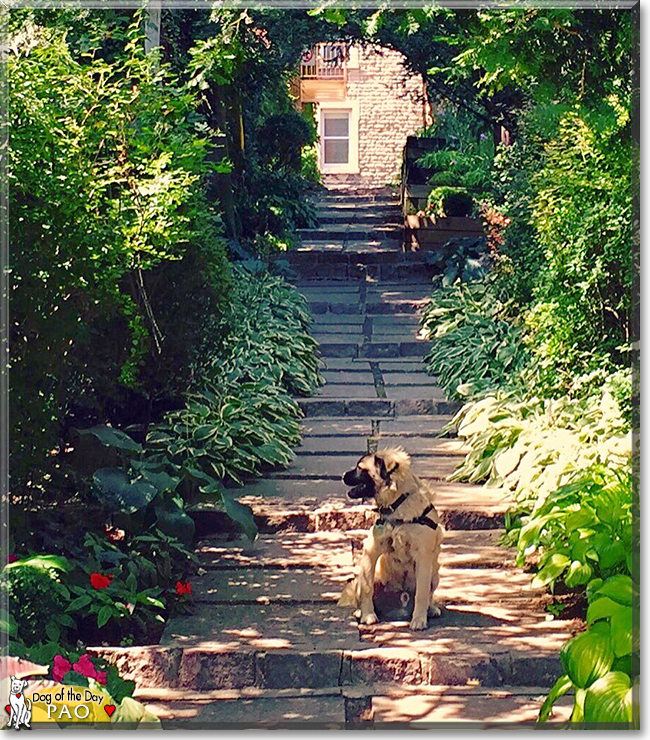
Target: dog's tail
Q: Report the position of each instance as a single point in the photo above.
(350, 595)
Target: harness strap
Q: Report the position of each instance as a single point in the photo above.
(394, 506)
(422, 519)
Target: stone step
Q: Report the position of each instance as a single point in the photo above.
(417, 447)
(327, 217)
(340, 345)
(339, 551)
(386, 263)
(348, 199)
(381, 706)
(356, 232)
(402, 428)
(321, 505)
(282, 646)
(378, 407)
(321, 466)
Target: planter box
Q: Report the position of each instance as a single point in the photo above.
(429, 232)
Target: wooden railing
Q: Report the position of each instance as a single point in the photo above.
(324, 62)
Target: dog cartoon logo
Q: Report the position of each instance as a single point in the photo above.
(20, 707)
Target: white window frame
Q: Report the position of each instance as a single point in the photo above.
(352, 108)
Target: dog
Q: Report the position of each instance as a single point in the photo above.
(21, 706)
(399, 563)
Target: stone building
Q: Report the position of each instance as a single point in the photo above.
(365, 104)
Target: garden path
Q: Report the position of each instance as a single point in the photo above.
(267, 643)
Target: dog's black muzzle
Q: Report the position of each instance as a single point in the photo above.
(361, 482)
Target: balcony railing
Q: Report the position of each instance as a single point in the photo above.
(324, 62)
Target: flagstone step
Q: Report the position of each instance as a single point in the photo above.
(417, 447)
(425, 425)
(338, 707)
(321, 505)
(354, 232)
(380, 407)
(327, 216)
(339, 345)
(320, 466)
(331, 551)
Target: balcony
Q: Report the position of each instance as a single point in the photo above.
(323, 73)
(324, 62)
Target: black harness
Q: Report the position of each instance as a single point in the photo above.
(386, 511)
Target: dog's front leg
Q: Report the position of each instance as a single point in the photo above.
(372, 549)
(423, 574)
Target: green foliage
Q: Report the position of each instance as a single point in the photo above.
(461, 258)
(534, 446)
(583, 216)
(36, 596)
(107, 161)
(461, 172)
(240, 419)
(473, 349)
(283, 135)
(583, 529)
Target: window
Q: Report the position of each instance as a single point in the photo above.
(339, 138)
(336, 137)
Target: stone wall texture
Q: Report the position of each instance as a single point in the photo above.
(391, 107)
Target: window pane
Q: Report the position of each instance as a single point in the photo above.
(336, 151)
(336, 124)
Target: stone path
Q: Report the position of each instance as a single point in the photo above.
(267, 645)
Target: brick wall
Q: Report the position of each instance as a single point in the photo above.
(391, 107)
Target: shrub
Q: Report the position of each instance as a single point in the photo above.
(36, 597)
(107, 164)
(473, 349)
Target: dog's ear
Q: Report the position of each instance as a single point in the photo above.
(381, 466)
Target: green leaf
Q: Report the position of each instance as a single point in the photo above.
(174, 521)
(609, 699)
(578, 574)
(618, 588)
(79, 602)
(612, 555)
(104, 614)
(621, 630)
(8, 624)
(42, 562)
(589, 655)
(52, 631)
(117, 492)
(553, 567)
(561, 686)
(241, 514)
(111, 437)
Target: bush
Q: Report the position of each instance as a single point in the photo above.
(107, 164)
(473, 349)
(36, 597)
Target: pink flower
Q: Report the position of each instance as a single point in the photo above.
(60, 667)
(12, 558)
(86, 667)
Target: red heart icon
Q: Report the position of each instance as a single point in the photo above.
(8, 708)
(109, 709)
(18, 695)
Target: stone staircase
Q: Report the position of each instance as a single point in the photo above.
(266, 645)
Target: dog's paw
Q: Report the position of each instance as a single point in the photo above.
(434, 611)
(369, 618)
(418, 623)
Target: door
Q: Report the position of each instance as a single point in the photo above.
(338, 139)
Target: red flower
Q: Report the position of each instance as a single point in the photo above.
(183, 588)
(85, 667)
(12, 557)
(99, 581)
(60, 667)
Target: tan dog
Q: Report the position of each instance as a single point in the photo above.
(401, 550)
